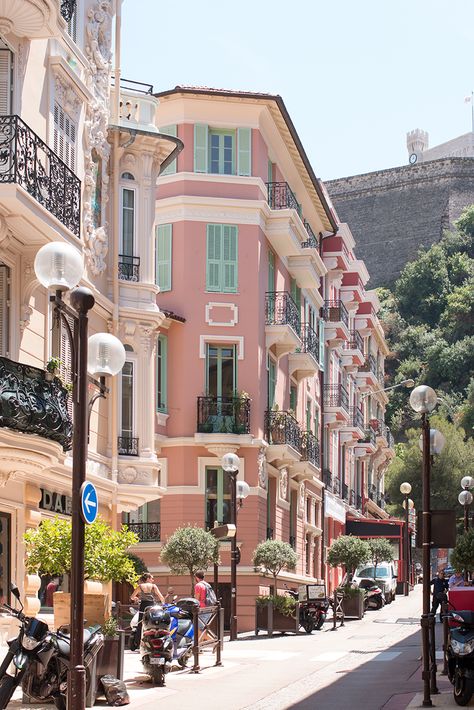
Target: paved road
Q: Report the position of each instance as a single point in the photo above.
(367, 665)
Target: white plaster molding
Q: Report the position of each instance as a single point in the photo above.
(66, 97)
(231, 306)
(234, 339)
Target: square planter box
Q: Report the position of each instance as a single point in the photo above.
(96, 608)
(354, 606)
(269, 620)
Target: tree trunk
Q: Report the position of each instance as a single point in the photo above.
(192, 584)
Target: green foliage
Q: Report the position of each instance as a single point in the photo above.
(351, 592)
(348, 551)
(273, 556)
(110, 627)
(462, 557)
(138, 563)
(381, 550)
(48, 549)
(282, 604)
(190, 549)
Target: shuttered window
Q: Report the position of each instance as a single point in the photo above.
(296, 294)
(163, 256)
(61, 348)
(200, 148)
(222, 258)
(4, 309)
(170, 131)
(244, 154)
(162, 374)
(321, 345)
(221, 151)
(64, 137)
(5, 80)
(128, 222)
(72, 25)
(271, 382)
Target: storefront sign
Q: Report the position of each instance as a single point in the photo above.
(333, 508)
(55, 502)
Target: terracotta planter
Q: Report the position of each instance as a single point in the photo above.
(269, 620)
(354, 606)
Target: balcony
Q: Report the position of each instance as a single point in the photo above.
(31, 404)
(345, 491)
(336, 405)
(353, 353)
(129, 268)
(336, 486)
(283, 434)
(282, 322)
(327, 479)
(270, 533)
(358, 504)
(367, 374)
(147, 532)
(281, 197)
(372, 491)
(27, 161)
(336, 329)
(352, 498)
(307, 469)
(313, 240)
(36, 20)
(127, 445)
(223, 415)
(305, 361)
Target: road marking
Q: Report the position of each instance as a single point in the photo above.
(386, 655)
(262, 655)
(329, 656)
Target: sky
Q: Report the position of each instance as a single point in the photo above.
(354, 76)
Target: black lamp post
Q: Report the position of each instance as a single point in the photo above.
(465, 498)
(405, 489)
(59, 267)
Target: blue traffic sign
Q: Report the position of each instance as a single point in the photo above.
(89, 502)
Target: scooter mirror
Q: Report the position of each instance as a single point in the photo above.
(14, 590)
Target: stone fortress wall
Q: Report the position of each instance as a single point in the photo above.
(393, 212)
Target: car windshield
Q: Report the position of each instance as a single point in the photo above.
(370, 572)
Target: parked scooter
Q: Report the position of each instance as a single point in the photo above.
(374, 596)
(312, 613)
(39, 659)
(460, 656)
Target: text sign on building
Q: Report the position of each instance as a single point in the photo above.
(55, 502)
(89, 502)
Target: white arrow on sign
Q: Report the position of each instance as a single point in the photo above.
(88, 503)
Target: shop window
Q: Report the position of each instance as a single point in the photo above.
(218, 501)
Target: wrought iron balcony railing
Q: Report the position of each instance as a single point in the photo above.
(224, 415)
(352, 497)
(358, 502)
(357, 417)
(281, 197)
(313, 241)
(355, 342)
(336, 396)
(280, 309)
(293, 541)
(310, 448)
(129, 268)
(32, 404)
(327, 479)
(372, 491)
(127, 445)
(27, 161)
(68, 8)
(336, 312)
(282, 428)
(269, 533)
(336, 485)
(345, 491)
(370, 437)
(310, 341)
(370, 365)
(147, 532)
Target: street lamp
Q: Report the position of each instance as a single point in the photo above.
(407, 383)
(240, 490)
(423, 400)
(405, 489)
(465, 499)
(59, 267)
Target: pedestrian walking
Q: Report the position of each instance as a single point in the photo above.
(440, 587)
(147, 593)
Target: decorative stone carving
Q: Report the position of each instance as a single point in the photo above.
(127, 475)
(97, 148)
(262, 468)
(301, 500)
(283, 483)
(67, 97)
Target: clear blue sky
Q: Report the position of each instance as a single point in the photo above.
(355, 76)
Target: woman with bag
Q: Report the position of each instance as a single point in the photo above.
(148, 594)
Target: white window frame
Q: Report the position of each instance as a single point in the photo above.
(132, 188)
(133, 359)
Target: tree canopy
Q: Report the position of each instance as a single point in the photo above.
(350, 552)
(462, 557)
(273, 556)
(190, 549)
(381, 550)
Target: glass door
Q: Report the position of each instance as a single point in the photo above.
(221, 386)
(217, 497)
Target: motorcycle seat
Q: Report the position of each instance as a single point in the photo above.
(467, 616)
(64, 645)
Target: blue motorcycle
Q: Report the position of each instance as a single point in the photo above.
(181, 628)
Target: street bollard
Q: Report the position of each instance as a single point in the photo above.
(432, 636)
(444, 612)
(196, 668)
(220, 633)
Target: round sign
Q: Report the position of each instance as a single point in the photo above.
(89, 502)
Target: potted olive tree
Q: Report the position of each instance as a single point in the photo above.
(381, 550)
(190, 549)
(275, 612)
(350, 552)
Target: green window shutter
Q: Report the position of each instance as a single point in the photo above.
(163, 253)
(293, 397)
(170, 131)
(271, 271)
(308, 415)
(214, 257)
(271, 383)
(295, 293)
(321, 344)
(270, 171)
(244, 156)
(229, 258)
(162, 374)
(200, 148)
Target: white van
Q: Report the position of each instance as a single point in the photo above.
(386, 578)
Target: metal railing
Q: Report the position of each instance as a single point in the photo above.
(313, 241)
(372, 491)
(336, 485)
(32, 404)
(280, 309)
(128, 268)
(327, 478)
(138, 87)
(270, 533)
(281, 197)
(224, 415)
(310, 448)
(68, 8)
(336, 396)
(310, 341)
(370, 365)
(345, 491)
(27, 161)
(293, 541)
(336, 312)
(355, 342)
(357, 417)
(282, 428)
(358, 502)
(147, 532)
(352, 497)
(127, 445)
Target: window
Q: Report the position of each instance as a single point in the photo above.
(128, 222)
(271, 271)
(72, 25)
(222, 258)
(161, 373)
(64, 137)
(222, 151)
(308, 415)
(4, 309)
(163, 253)
(61, 348)
(128, 176)
(221, 371)
(271, 382)
(293, 397)
(126, 424)
(295, 294)
(6, 83)
(217, 497)
(170, 131)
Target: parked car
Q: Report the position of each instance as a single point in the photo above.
(386, 578)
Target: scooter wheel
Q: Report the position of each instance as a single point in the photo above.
(320, 622)
(184, 659)
(463, 689)
(157, 676)
(308, 624)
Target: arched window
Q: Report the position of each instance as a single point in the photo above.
(128, 176)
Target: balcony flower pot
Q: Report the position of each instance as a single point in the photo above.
(276, 614)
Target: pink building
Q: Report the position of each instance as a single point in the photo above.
(264, 304)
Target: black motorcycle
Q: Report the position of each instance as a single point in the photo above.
(38, 659)
(312, 613)
(374, 596)
(460, 655)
